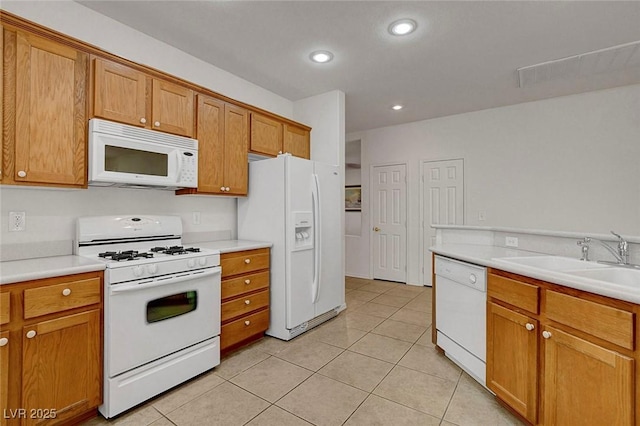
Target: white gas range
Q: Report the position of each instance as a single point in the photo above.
(161, 305)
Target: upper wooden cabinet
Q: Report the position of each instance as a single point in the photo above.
(223, 134)
(266, 135)
(272, 137)
(296, 141)
(45, 122)
(123, 94)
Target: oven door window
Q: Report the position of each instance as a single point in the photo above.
(171, 306)
(135, 161)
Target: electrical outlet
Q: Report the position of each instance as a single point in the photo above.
(17, 221)
(196, 218)
(511, 241)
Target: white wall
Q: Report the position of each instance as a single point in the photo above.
(568, 163)
(51, 213)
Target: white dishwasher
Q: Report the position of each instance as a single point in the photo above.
(461, 310)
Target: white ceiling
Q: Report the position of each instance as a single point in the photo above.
(463, 57)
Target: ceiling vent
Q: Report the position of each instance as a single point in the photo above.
(611, 59)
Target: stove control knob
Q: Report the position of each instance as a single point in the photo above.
(202, 261)
(137, 271)
(152, 268)
(191, 263)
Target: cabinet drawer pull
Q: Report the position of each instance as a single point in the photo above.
(4, 341)
(247, 302)
(530, 326)
(247, 322)
(247, 261)
(247, 282)
(157, 124)
(31, 334)
(143, 120)
(22, 173)
(66, 292)
(546, 334)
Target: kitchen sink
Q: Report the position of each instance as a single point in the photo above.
(552, 263)
(622, 276)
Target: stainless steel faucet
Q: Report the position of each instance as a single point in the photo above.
(621, 254)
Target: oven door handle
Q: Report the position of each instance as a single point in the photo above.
(121, 288)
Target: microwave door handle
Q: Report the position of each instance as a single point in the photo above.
(179, 164)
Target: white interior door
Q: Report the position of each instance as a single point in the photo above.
(389, 222)
(443, 201)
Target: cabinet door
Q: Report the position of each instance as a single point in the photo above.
(512, 353)
(62, 365)
(296, 141)
(50, 112)
(236, 166)
(119, 93)
(172, 108)
(585, 384)
(4, 374)
(211, 157)
(266, 135)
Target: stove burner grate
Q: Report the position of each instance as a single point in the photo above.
(124, 255)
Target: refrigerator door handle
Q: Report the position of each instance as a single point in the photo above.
(315, 195)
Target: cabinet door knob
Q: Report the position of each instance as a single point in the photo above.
(157, 124)
(143, 120)
(247, 322)
(66, 292)
(247, 282)
(22, 173)
(247, 302)
(530, 326)
(4, 341)
(31, 334)
(247, 261)
(227, 189)
(222, 188)
(546, 334)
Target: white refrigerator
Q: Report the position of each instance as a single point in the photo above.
(297, 205)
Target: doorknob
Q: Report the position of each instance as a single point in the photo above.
(375, 228)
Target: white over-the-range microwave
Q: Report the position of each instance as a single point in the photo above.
(122, 155)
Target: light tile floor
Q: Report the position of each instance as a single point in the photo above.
(374, 364)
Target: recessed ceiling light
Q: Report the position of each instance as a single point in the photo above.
(403, 27)
(397, 107)
(321, 56)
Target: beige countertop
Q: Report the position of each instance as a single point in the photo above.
(489, 256)
(46, 267)
(229, 246)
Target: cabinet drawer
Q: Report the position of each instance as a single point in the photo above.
(244, 305)
(5, 308)
(243, 262)
(244, 284)
(243, 328)
(60, 297)
(516, 293)
(608, 323)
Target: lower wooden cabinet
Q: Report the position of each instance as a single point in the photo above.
(512, 356)
(245, 297)
(51, 360)
(585, 383)
(573, 350)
